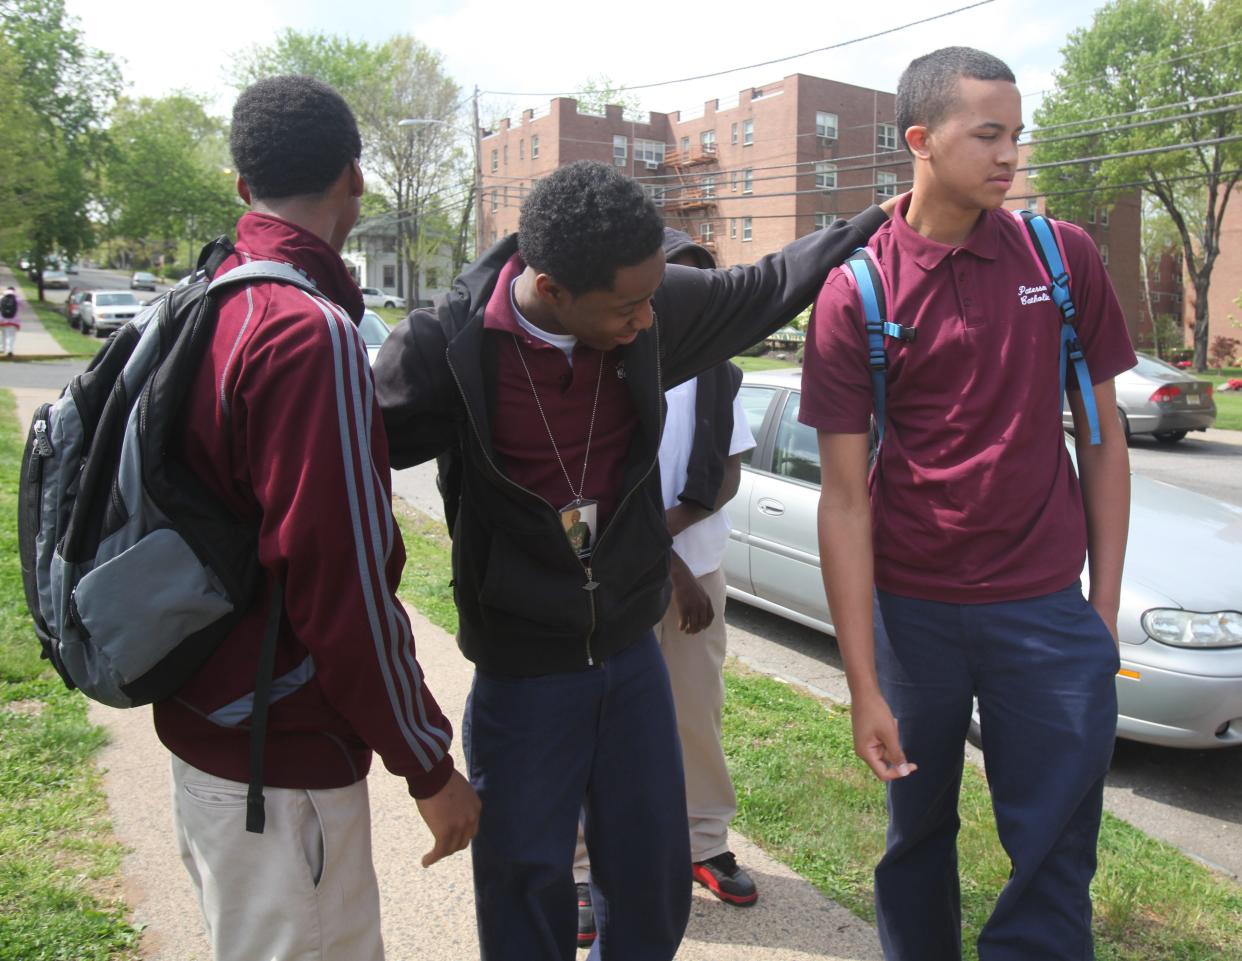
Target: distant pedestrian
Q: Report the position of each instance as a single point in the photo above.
(10, 323)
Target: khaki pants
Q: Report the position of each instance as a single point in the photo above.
(695, 670)
(303, 890)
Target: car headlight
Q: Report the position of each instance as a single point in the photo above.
(1192, 629)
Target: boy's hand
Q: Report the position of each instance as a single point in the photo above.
(452, 814)
(891, 204)
(876, 740)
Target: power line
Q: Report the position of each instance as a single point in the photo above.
(766, 63)
(1154, 63)
(1135, 113)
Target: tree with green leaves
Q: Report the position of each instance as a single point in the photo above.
(1148, 96)
(66, 90)
(600, 91)
(168, 177)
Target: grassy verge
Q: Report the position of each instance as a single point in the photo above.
(765, 363)
(807, 800)
(56, 324)
(1228, 409)
(59, 866)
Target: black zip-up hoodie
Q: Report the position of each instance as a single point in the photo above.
(526, 603)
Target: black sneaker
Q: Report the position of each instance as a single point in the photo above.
(726, 880)
(586, 916)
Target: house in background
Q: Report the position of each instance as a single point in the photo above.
(370, 255)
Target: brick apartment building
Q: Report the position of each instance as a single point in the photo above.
(745, 177)
(749, 175)
(1224, 313)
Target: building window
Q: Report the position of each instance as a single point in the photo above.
(522, 149)
(748, 181)
(733, 133)
(825, 220)
(709, 187)
(733, 181)
(746, 231)
(825, 125)
(748, 132)
(495, 160)
(390, 276)
(733, 229)
(708, 140)
(389, 244)
(495, 201)
(620, 150)
(1091, 216)
(1104, 253)
(431, 277)
(649, 152)
(655, 192)
(705, 232)
(1103, 216)
(885, 184)
(1032, 203)
(826, 176)
(685, 145)
(886, 136)
(534, 147)
(506, 155)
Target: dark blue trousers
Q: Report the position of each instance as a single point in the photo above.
(1043, 671)
(541, 750)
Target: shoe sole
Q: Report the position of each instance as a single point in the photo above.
(738, 900)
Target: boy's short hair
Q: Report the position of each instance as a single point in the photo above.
(584, 221)
(928, 86)
(292, 136)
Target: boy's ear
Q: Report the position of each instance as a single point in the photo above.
(243, 190)
(357, 183)
(917, 137)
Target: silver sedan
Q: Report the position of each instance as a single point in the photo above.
(1158, 399)
(1180, 623)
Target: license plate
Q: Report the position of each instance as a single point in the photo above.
(1194, 400)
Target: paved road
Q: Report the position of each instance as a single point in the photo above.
(92, 279)
(1209, 462)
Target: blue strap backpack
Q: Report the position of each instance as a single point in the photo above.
(1045, 245)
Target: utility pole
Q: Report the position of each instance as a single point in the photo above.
(478, 178)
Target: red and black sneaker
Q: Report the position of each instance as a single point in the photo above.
(726, 880)
(586, 916)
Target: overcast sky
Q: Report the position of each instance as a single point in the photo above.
(555, 45)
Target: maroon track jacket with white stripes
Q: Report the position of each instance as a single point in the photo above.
(283, 425)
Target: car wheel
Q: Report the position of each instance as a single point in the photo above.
(1125, 423)
(389, 304)
(1168, 436)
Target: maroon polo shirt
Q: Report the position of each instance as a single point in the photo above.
(974, 497)
(567, 394)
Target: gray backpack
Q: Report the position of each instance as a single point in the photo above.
(134, 572)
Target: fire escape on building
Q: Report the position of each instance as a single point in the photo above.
(693, 197)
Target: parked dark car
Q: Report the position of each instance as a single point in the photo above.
(73, 307)
(1180, 622)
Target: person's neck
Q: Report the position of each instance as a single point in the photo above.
(939, 219)
(531, 307)
(310, 215)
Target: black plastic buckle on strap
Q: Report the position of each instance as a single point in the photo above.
(1074, 349)
(876, 360)
(907, 334)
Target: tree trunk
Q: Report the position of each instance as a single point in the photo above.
(1201, 318)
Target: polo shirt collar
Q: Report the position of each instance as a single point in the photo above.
(928, 253)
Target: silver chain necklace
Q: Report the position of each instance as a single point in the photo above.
(577, 494)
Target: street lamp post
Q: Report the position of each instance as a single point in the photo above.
(478, 169)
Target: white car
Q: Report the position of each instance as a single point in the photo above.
(374, 332)
(374, 297)
(1180, 622)
(103, 311)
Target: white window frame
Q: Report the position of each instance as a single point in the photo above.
(748, 181)
(495, 159)
(826, 176)
(886, 136)
(655, 192)
(733, 181)
(885, 184)
(534, 147)
(620, 150)
(823, 221)
(650, 153)
(707, 139)
(495, 201)
(733, 228)
(733, 134)
(827, 125)
(706, 231)
(1103, 216)
(747, 230)
(748, 133)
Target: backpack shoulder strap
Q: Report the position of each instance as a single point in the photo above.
(873, 293)
(1041, 236)
(263, 270)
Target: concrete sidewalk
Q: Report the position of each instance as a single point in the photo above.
(33, 340)
(428, 915)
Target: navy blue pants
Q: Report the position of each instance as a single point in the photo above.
(541, 750)
(1043, 671)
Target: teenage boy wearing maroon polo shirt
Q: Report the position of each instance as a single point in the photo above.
(542, 373)
(978, 527)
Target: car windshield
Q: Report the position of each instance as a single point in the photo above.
(142, 276)
(373, 329)
(116, 300)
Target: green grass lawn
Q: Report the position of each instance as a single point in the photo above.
(60, 897)
(56, 324)
(807, 800)
(1228, 403)
(749, 364)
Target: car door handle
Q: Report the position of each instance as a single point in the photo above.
(770, 507)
